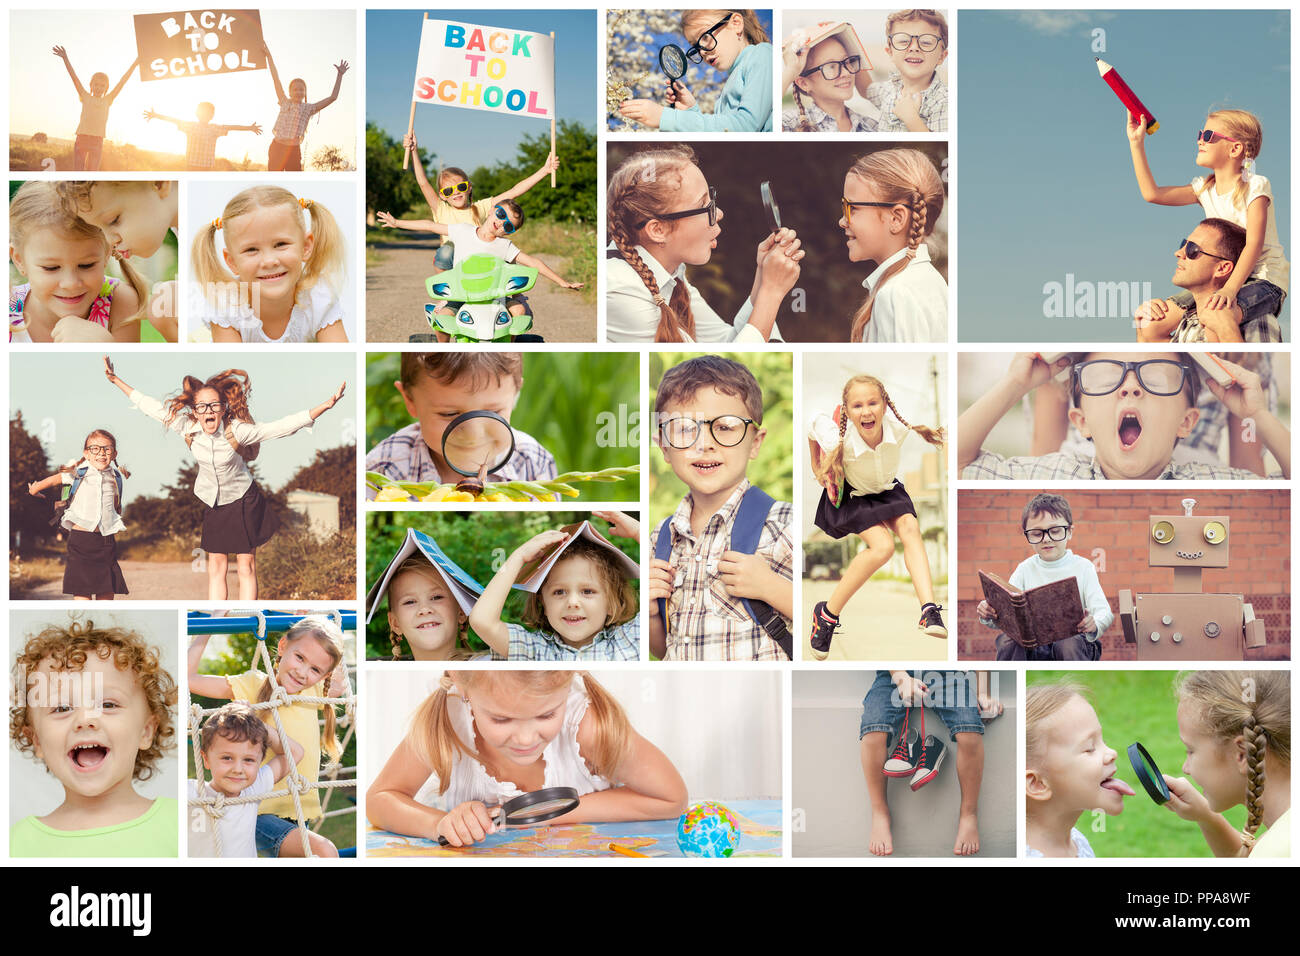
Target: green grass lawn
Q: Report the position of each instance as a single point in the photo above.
(1138, 706)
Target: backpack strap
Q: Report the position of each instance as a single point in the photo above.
(746, 531)
(664, 548)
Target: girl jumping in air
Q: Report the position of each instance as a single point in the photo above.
(279, 277)
(1247, 307)
(486, 736)
(67, 296)
(309, 663)
(213, 419)
(892, 201)
(855, 458)
(92, 518)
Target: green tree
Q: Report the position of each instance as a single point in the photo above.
(389, 187)
(574, 197)
(28, 517)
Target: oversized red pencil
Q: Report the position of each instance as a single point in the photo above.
(1126, 96)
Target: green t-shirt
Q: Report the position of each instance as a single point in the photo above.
(153, 833)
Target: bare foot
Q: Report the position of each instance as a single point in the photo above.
(968, 836)
(882, 841)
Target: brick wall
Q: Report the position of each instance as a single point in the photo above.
(1116, 522)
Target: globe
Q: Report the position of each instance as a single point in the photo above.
(708, 829)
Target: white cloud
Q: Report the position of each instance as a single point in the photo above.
(1056, 22)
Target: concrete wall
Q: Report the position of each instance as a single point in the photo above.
(320, 510)
(831, 815)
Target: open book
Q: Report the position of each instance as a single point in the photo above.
(535, 571)
(463, 587)
(1039, 616)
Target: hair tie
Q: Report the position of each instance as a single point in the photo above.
(660, 301)
(305, 203)
(445, 682)
(216, 223)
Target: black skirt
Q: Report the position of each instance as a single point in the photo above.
(857, 513)
(92, 567)
(240, 526)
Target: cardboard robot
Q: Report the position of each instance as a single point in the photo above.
(1189, 625)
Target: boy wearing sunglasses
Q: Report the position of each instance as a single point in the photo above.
(915, 98)
(488, 238)
(709, 426)
(1048, 526)
(1133, 407)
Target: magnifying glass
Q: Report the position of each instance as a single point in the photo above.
(475, 445)
(672, 60)
(769, 203)
(529, 809)
(1153, 781)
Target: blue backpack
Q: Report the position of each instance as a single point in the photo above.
(745, 532)
(70, 492)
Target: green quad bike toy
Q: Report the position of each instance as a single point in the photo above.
(482, 285)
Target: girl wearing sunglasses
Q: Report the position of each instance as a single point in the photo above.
(662, 216)
(488, 238)
(1227, 146)
(892, 201)
(453, 199)
(825, 67)
(733, 42)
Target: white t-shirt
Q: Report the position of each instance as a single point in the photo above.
(912, 305)
(465, 236)
(237, 824)
(565, 766)
(1272, 265)
(1034, 572)
(313, 312)
(868, 471)
(1082, 848)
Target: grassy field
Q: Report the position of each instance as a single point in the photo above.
(1138, 706)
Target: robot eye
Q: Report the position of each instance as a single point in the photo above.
(1214, 532)
(464, 317)
(503, 317)
(1162, 532)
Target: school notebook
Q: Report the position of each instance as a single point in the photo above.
(1041, 615)
(463, 587)
(535, 571)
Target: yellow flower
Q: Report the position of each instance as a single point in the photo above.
(392, 493)
(439, 494)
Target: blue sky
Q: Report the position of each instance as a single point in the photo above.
(1045, 182)
(466, 137)
(62, 416)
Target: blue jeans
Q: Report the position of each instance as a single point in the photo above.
(445, 257)
(951, 694)
(1077, 648)
(271, 832)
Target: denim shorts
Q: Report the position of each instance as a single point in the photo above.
(271, 831)
(1257, 298)
(445, 257)
(951, 695)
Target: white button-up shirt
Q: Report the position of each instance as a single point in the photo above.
(93, 507)
(867, 470)
(912, 306)
(632, 316)
(223, 474)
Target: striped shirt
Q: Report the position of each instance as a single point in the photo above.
(1060, 466)
(201, 143)
(705, 623)
(291, 124)
(404, 456)
(619, 643)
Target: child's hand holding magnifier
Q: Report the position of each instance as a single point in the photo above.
(467, 823)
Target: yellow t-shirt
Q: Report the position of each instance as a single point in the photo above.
(449, 215)
(302, 723)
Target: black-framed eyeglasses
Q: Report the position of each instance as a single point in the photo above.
(1193, 251)
(831, 69)
(707, 40)
(727, 430)
(1055, 533)
(204, 407)
(711, 209)
(850, 205)
(99, 449)
(1157, 376)
(902, 42)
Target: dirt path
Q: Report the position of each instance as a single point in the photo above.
(152, 581)
(395, 297)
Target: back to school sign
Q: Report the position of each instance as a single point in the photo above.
(198, 43)
(486, 68)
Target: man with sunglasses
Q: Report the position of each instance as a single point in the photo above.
(1048, 526)
(1133, 407)
(1205, 260)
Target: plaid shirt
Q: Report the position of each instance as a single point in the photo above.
(934, 104)
(201, 143)
(619, 643)
(404, 456)
(1264, 328)
(1061, 465)
(705, 623)
(823, 122)
(291, 124)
